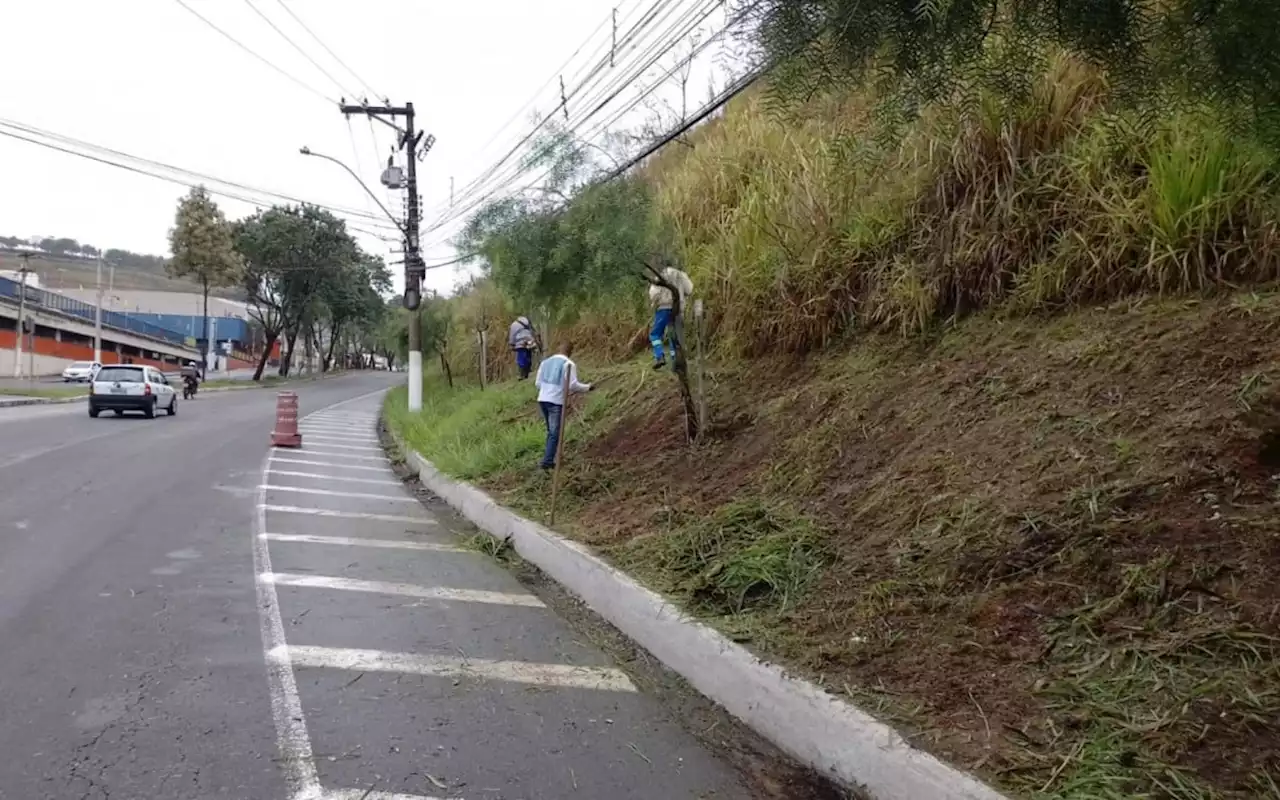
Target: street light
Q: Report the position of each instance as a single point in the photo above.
(307, 151)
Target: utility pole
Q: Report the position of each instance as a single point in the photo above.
(414, 267)
(97, 318)
(22, 308)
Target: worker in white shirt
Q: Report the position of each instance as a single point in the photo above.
(662, 300)
(551, 396)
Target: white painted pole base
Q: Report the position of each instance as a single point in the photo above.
(415, 380)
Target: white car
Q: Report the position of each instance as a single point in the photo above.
(131, 387)
(80, 371)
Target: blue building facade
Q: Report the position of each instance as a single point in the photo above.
(192, 325)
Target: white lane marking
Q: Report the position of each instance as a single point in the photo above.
(366, 794)
(349, 446)
(329, 512)
(286, 708)
(275, 459)
(292, 738)
(558, 675)
(353, 541)
(344, 422)
(343, 478)
(405, 590)
(395, 498)
(326, 439)
(335, 433)
(315, 452)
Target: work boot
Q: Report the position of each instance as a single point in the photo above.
(660, 363)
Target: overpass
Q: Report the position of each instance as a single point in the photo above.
(64, 332)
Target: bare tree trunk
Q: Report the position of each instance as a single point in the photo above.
(286, 358)
(444, 365)
(328, 356)
(266, 355)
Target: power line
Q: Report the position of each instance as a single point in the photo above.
(295, 46)
(30, 129)
(170, 179)
(690, 20)
(649, 57)
(733, 90)
(334, 55)
(550, 80)
(253, 53)
(485, 177)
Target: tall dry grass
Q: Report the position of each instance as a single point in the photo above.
(799, 231)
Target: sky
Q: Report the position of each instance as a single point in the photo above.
(151, 79)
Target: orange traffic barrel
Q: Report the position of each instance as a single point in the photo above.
(286, 432)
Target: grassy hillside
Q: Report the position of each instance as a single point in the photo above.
(995, 430)
(69, 273)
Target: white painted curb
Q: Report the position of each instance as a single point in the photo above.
(818, 729)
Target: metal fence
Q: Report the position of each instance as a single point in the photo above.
(39, 298)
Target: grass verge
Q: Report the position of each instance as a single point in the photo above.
(55, 394)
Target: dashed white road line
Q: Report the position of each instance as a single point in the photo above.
(352, 541)
(275, 459)
(404, 590)
(392, 498)
(313, 451)
(349, 446)
(286, 706)
(365, 794)
(337, 436)
(342, 478)
(329, 512)
(557, 675)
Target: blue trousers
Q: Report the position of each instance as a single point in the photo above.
(552, 413)
(661, 321)
(524, 361)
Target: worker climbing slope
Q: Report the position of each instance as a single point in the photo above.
(663, 301)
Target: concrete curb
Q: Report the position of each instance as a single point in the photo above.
(818, 729)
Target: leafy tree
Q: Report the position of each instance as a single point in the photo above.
(351, 299)
(569, 240)
(290, 253)
(203, 249)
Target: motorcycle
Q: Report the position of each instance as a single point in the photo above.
(189, 386)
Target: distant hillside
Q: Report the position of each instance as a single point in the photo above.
(67, 264)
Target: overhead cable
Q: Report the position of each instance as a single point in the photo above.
(254, 53)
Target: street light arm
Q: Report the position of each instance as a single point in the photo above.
(307, 151)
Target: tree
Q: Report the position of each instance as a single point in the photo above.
(203, 250)
(351, 299)
(290, 253)
(569, 241)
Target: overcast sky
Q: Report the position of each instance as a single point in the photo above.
(149, 78)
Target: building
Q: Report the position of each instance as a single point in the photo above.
(182, 312)
(57, 330)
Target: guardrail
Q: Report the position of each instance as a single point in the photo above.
(41, 298)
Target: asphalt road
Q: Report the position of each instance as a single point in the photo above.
(183, 618)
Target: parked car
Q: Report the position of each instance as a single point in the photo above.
(131, 387)
(80, 371)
